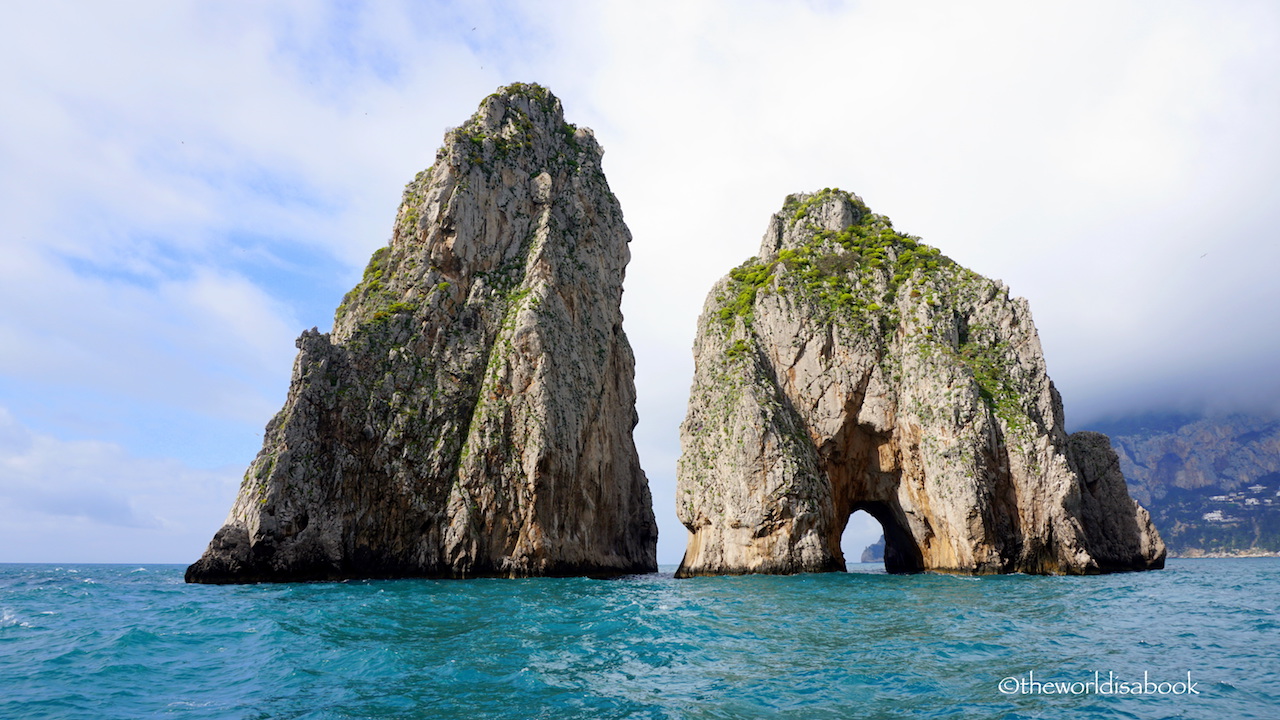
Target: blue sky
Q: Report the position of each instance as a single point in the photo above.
(185, 187)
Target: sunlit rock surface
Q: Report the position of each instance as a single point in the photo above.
(471, 412)
(850, 367)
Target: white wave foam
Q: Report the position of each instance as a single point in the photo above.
(8, 619)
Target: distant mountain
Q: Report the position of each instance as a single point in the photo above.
(1211, 484)
(874, 552)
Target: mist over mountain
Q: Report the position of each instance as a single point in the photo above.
(1211, 482)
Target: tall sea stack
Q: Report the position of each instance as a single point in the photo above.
(471, 412)
(850, 367)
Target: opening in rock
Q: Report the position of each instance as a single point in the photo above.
(864, 472)
(861, 538)
(901, 554)
(868, 521)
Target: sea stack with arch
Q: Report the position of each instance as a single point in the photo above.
(851, 367)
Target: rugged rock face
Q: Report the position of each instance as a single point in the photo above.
(850, 367)
(471, 413)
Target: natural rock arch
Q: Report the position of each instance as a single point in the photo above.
(863, 475)
(849, 366)
(901, 553)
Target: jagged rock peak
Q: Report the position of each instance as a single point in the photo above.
(471, 412)
(851, 367)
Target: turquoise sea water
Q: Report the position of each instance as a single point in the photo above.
(111, 641)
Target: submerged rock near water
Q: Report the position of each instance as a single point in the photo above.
(851, 367)
(471, 412)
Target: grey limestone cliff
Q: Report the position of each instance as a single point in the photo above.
(472, 411)
(851, 367)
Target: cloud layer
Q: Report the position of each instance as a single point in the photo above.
(91, 501)
(185, 187)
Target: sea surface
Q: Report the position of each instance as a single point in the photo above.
(115, 641)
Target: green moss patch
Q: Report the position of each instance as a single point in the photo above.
(837, 270)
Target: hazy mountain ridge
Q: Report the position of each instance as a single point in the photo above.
(1211, 483)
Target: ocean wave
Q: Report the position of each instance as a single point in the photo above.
(145, 644)
(9, 619)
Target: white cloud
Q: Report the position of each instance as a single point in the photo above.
(211, 341)
(90, 501)
(1083, 153)
(187, 186)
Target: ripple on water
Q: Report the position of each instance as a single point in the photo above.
(837, 645)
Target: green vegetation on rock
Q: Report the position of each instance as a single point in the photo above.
(850, 272)
(517, 133)
(852, 277)
(850, 365)
(988, 365)
(371, 292)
